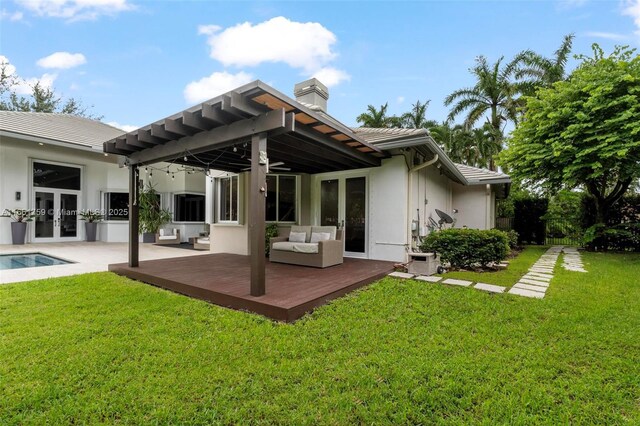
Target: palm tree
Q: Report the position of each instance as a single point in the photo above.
(417, 117)
(534, 70)
(374, 117)
(493, 97)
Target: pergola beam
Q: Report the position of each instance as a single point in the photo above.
(217, 138)
(337, 146)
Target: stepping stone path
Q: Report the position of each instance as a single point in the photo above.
(533, 284)
(572, 260)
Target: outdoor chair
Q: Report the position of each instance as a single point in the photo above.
(168, 236)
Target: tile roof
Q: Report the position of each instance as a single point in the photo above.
(475, 175)
(66, 128)
(377, 135)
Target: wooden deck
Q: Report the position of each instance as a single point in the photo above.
(223, 279)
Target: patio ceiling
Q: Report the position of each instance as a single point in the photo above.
(217, 134)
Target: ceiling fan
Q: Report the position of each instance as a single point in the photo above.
(270, 166)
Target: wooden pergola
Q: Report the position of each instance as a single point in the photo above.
(207, 136)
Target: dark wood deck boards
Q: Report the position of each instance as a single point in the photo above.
(223, 279)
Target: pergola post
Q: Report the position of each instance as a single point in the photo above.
(134, 186)
(257, 201)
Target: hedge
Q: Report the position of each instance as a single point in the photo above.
(621, 237)
(465, 248)
(527, 220)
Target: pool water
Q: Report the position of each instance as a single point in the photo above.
(28, 260)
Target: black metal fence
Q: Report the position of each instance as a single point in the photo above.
(562, 231)
(557, 231)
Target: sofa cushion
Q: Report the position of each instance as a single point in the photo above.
(319, 236)
(330, 229)
(167, 237)
(161, 232)
(298, 237)
(296, 247)
(305, 229)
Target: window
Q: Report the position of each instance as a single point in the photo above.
(281, 198)
(228, 199)
(188, 208)
(116, 206)
(56, 176)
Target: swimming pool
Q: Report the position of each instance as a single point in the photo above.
(28, 260)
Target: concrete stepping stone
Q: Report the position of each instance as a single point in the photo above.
(401, 275)
(530, 287)
(462, 283)
(534, 282)
(526, 293)
(428, 279)
(490, 288)
(540, 275)
(537, 278)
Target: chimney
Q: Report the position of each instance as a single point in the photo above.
(312, 92)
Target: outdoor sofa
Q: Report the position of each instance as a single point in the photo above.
(317, 246)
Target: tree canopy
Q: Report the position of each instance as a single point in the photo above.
(584, 131)
(41, 98)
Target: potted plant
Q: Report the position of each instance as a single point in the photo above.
(91, 219)
(20, 218)
(152, 216)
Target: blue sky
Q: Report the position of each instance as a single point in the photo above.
(139, 61)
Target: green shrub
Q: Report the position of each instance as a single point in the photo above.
(513, 238)
(464, 248)
(622, 237)
(270, 232)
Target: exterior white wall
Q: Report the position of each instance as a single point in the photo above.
(227, 237)
(475, 206)
(100, 174)
(388, 214)
(430, 190)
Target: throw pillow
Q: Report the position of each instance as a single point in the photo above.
(320, 236)
(297, 237)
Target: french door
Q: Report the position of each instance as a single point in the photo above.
(343, 203)
(56, 200)
(56, 215)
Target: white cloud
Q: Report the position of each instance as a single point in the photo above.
(331, 76)
(62, 60)
(208, 29)
(300, 45)
(632, 8)
(125, 127)
(214, 85)
(76, 10)
(400, 99)
(23, 86)
(606, 35)
(12, 16)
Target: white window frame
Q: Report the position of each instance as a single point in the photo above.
(218, 182)
(297, 201)
(104, 207)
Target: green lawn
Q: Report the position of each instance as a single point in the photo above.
(506, 277)
(98, 348)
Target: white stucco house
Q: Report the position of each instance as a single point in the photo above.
(54, 163)
(381, 186)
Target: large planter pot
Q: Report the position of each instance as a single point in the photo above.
(148, 237)
(18, 232)
(91, 229)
